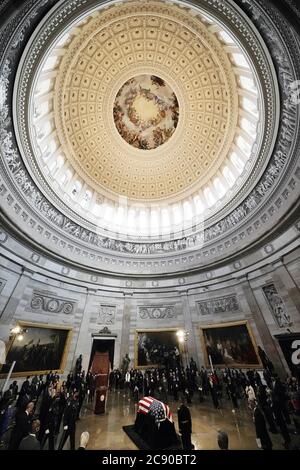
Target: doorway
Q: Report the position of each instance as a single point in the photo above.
(103, 346)
(101, 361)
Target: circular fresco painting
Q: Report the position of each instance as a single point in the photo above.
(146, 112)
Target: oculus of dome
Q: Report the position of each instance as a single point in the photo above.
(146, 112)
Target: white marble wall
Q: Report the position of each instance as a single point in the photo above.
(117, 304)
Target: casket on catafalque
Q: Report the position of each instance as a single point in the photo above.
(154, 424)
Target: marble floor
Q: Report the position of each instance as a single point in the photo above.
(106, 430)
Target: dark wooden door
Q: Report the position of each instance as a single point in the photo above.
(100, 367)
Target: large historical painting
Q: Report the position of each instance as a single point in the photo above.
(43, 348)
(230, 345)
(155, 348)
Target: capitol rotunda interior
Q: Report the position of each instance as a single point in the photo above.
(149, 226)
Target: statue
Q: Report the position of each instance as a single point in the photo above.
(125, 364)
(78, 365)
(265, 360)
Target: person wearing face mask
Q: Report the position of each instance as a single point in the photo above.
(69, 420)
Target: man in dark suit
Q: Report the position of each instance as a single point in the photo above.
(185, 426)
(262, 434)
(30, 442)
(50, 423)
(70, 417)
(24, 391)
(22, 426)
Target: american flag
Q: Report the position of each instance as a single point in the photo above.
(156, 408)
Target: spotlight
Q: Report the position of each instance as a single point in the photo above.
(16, 330)
(20, 337)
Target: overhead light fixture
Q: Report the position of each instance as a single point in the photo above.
(16, 330)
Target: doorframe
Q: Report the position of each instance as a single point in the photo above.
(104, 334)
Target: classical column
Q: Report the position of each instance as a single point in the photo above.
(84, 340)
(125, 334)
(188, 326)
(8, 313)
(268, 342)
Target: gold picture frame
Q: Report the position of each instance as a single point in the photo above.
(63, 345)
(216, 341)
(154, 332)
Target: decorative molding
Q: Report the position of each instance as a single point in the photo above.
(3, 236)
(104, 332)
(35, 257)
(237, 265)
(277, 306)
(157, 313)
(49, 303)
(107, 314)
(2, 284)
(229, 303)
(269, 248)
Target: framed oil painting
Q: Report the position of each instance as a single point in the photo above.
(44, 347)
(154, 348)
(230, 345)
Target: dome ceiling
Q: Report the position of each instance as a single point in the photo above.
(122, 44)
(145, 125)
(201, 144)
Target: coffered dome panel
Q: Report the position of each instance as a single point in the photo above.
(164, 41)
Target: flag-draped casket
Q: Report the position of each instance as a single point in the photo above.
(154, 424)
